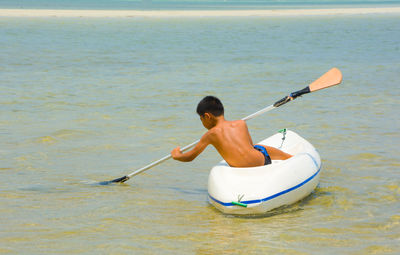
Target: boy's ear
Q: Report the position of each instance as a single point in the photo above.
(207, 115)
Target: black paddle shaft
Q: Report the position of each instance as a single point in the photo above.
(292, 96)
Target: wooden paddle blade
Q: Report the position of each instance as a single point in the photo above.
(331, 78)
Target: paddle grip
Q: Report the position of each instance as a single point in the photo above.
(300, 92)
(282, 101)
(292, 96)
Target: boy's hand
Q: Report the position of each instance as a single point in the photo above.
(176, 153)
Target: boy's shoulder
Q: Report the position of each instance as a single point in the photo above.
(227, 125)
(213, 135)
(237, 122)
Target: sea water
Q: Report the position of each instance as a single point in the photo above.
(189, 4)
(92, 99)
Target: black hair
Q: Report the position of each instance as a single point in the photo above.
(210, 104)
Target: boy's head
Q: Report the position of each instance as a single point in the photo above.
(210, 104)
(209, 109)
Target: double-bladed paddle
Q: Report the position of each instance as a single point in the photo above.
(331, 78)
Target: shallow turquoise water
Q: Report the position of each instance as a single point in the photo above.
(94, 99)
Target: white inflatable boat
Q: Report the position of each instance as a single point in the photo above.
(256, 190)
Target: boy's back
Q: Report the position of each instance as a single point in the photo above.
(232, 140)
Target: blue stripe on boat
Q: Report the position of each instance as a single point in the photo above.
(275, 195)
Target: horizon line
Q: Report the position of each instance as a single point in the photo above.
(196, 13)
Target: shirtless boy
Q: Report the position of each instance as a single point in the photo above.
(231, 139)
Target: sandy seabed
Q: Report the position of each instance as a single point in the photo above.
(193, 13)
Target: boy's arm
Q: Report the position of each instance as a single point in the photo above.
(192, 154)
